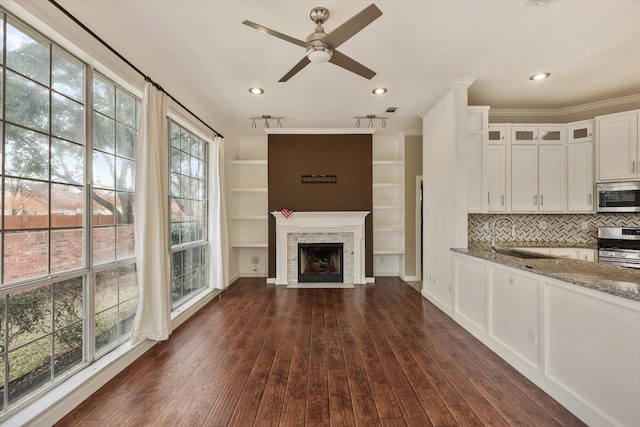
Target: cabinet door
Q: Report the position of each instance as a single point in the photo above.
(551, 178)
(495, 176)
(496, 134)
(552, 134)
(524, 178)
(617, 147)
(580, 132)
(524, 135)
(474, 172)
(580, 177)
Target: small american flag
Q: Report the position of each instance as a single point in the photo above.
(286, 212)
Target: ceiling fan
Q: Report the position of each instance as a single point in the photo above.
(322, 47)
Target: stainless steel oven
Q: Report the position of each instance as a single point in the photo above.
(619, 246)
(618, 196)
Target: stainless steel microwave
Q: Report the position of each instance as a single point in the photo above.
(618, 196)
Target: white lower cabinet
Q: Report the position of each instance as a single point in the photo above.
(514, 318)
(594, 349)
(579, 345)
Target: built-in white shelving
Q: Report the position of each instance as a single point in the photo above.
(388, 206)
(248, 206)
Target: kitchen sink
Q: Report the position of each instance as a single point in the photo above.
(524, 254)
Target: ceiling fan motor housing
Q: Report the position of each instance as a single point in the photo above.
(317, 49)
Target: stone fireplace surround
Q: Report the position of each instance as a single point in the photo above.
(345, 227)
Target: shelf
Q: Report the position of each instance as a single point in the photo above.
(249, 162)
(388, 229)
(250, 189)
(389, 252)
(249, 245)
(387, 185)
(388, 162)
(249, 217)
(386, 207)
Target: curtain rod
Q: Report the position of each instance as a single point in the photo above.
(126, 61)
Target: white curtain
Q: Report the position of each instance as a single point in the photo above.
(218, 240)
(153, 318)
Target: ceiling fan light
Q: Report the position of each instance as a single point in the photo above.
(319, 54)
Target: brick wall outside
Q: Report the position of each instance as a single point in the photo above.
(26, 252)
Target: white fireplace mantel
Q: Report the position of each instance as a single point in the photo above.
(320, 222)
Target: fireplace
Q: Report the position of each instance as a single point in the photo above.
(345, 227)
(320, 262)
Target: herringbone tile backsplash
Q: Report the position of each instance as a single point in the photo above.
(547, 228)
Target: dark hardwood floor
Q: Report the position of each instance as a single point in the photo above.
(377, 355)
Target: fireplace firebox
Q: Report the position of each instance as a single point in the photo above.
(320, 262)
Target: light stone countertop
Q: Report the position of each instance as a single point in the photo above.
(620, 281)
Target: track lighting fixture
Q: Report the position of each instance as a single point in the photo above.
(266, 118)
(372, 118)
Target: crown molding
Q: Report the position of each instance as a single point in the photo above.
(455, 83)
(558, 112)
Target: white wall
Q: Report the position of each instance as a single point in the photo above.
(445, 189)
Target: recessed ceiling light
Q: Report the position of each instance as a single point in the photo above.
(379, 91)
(256, 90)
(539, 76)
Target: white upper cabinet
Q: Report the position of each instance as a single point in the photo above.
(552, 178)
(524, 178)
(617, 146)
(477, 123)
(534, 134)
(580, 185)
(538, 168)
(580, 131)
(495, 177)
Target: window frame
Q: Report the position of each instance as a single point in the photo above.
(202, 243)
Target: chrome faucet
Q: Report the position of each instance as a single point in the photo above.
(493, 231)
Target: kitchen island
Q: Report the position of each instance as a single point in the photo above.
(570, 326)
(620, 281)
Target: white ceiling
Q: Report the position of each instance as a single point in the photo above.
(200, 52)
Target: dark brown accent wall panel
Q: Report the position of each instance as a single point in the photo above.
(347, 157)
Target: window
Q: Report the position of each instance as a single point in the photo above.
(115, 131)
(48, 269)
(115, 126)
(188, 206)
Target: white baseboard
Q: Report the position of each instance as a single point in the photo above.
(233, 278)
(386, 274)
(271, 280)
(370, 279)
(411, 278)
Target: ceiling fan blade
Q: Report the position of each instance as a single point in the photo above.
(275, 33)
(299, 66)
(349, 28)
(342, 60)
